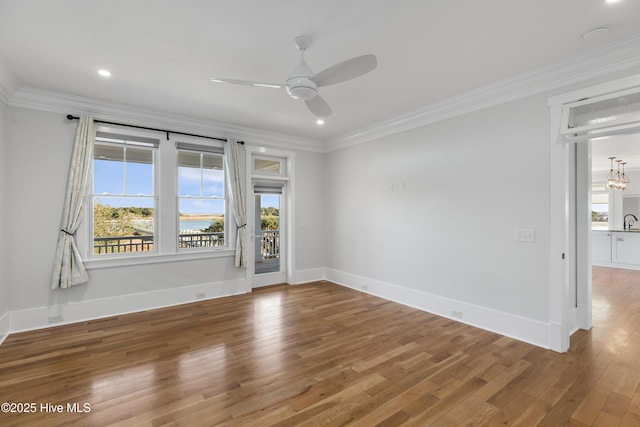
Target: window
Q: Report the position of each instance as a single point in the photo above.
(268, 166)
(151, 198)
(123, 194)
(600, 210)
(201, 196)
(612, 113)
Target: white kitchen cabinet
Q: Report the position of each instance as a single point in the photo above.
(625, 248)
(601, 247)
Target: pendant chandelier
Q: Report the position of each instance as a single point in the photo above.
(617, 179)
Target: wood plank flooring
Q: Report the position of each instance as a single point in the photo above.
(321, 354)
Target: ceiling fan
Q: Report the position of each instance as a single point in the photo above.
(303, 83)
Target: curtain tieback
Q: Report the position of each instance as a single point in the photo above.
(66, 232)
(242, 226)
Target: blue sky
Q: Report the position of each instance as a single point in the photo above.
(267, 201)
(109, 178)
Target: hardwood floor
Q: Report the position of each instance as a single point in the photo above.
(322, 354)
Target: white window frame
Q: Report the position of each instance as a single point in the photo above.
(286, 209)
(165, 213)
(204, 149)
(620, 125)
(281, 161)
(90, 202)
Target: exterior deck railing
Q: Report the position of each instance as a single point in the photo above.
(120, 244)
(200, 240)
(269, 243)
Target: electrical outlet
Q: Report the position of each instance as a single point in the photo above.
(456, 313)
(364, 287)
(56, 318)
(200, 295)
(525, 235)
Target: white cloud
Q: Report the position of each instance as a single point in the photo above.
(193, 175)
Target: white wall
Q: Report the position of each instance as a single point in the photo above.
(4, 286)
(309, 216)
(39, 151)
(447, 241)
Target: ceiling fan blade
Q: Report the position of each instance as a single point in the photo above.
(318, 106)
(246, 82)
(346, 70)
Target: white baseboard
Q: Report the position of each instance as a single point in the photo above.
(310, 275)
(518, 327)
(614, 265)
(5, 327)
(38, 318)
(521, 328)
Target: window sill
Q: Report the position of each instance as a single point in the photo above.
(128, 260)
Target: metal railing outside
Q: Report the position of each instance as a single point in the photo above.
(269, 243)
(121, 244)
(200, 240)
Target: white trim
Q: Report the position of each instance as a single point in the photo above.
(558, 235)
(614, 265)
(289, 203)
(109, 261)
(73, 312)
(621, 55)
(310, 275)
(563, 315)
(521, 328)
(5, 326)
(8, 84)
(607, 59)
(608, 87)
(38, 99)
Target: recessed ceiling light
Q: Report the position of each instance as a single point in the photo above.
(595, 33)
(104, 73)
(319, 122)
(612, 1)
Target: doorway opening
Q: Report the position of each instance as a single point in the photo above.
(605, 110)
(267, 227)
(270, 218)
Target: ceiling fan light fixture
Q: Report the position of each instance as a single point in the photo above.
(303, 83)
(302, 92)
(301, 88)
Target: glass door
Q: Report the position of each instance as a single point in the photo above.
(268, 238)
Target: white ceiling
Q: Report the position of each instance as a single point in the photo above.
(162, 53)
(623, 147)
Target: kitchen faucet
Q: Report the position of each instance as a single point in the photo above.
(631, 221)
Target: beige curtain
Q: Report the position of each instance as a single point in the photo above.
(236, 196)
(68, 269)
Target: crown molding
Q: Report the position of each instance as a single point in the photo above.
(8, 84)
(611, 58)
(608, 59)
(57, 102)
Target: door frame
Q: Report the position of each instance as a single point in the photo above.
(568, 266)
(272, 278)
(287, 209)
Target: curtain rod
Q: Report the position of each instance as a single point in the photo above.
(71, 117)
